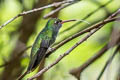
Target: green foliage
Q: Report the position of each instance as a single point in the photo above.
(9, 36)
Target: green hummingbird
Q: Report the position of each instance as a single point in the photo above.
(43, 41)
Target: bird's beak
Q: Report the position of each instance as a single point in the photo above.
(67, 21)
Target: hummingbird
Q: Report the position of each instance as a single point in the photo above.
(43, 42)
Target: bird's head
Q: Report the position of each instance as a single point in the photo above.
(56, 23)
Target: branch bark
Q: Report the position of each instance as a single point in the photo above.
(36, 10)
(56, 10)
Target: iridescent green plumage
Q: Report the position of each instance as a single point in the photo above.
(43, 41)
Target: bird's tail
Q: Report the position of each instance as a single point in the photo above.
(39, 57)
(21, 76)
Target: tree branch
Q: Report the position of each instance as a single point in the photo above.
(108, 62)
(56, 10)
(87, 16)
(56, 4)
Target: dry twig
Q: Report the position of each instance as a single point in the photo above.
(56, 10)
(56, 4)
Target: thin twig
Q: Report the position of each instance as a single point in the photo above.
(56, 4)
(86, 17)
(56, 10)
(115, 14)
(108, 62)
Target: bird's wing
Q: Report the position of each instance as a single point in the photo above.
(37, 57)
(42, 40)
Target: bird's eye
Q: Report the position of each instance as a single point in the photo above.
(56, 22)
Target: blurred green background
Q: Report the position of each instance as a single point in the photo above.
(24, 30)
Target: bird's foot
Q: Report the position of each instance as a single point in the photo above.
(49, 49)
